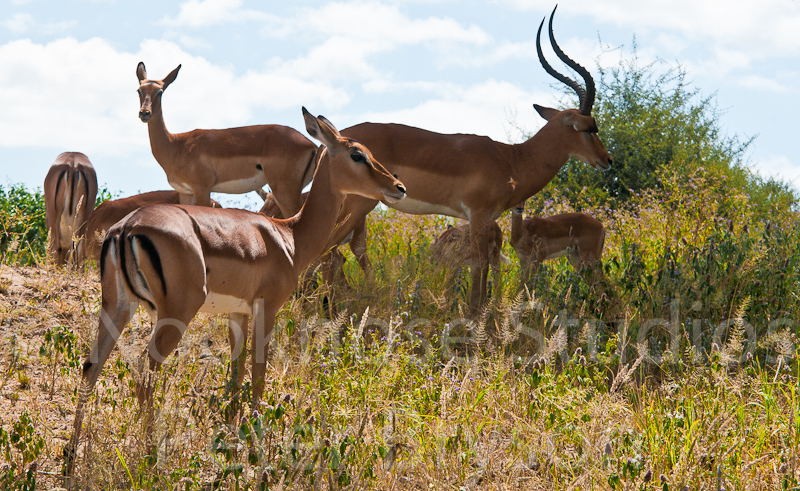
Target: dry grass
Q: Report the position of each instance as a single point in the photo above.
(371, 408)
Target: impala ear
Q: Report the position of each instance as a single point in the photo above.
(328, 122)
(545, 112)
(312, 125)
(141, 72)
(170, 78)
(320, 129)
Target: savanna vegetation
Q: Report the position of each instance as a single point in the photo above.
(674, 368)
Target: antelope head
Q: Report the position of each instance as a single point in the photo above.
(150, 92)
(582, 139)
(354, 170)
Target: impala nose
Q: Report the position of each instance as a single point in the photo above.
(145, 115)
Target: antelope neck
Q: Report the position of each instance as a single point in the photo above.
(314, 223)
(160, 137)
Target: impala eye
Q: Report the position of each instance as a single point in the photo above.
(358, 157)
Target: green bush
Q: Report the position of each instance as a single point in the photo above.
(23, 227)
(652, 120)
(23, 232)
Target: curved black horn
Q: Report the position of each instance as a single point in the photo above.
(585, 96)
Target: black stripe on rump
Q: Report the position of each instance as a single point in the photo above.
(123, 262)
(155, 259)
(103, 252)
(86, 191)
(58, 185)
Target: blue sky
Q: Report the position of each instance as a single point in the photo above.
(68, 82)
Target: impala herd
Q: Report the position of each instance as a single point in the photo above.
(176, 253)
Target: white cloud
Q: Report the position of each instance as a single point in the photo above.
(19, 23)
(779, 166)
(82, 94)
(193, 42)
(755, 29)
(351, 34)
(24, 23)
(73, 97)
(204, 13)
(486, 108)
(757, 82)
(370, 21)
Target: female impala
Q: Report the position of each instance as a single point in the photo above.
(177, 260)
(452, 247)
(475, 178)
(233, 160)
(70, 190)
(537, 239)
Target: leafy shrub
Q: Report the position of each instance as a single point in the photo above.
(23, 232)
(23, 229)
(653, 121)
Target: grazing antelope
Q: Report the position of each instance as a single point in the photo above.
(233, 160)
(537, 239)
(452, 247)
(177, 260)
(475, 178)
(111, 211)
(70, 190)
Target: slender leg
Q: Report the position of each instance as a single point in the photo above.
(358, 245)
(237, 336)
(186, 199)
(112, 321)
(263, 323)
(202, 197)
(166, 336)
(326, 265)
(523, 273)
(479, 249)
(497, 285)
(81, 254)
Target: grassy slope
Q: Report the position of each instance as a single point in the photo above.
(372, 408)
(570, 386)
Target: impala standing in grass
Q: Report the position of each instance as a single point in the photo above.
(176, 260)
(70, 190)
(475, 178)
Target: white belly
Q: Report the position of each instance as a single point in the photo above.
(415, 207)
(241, 186)
(181, 187)
(223, 304)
